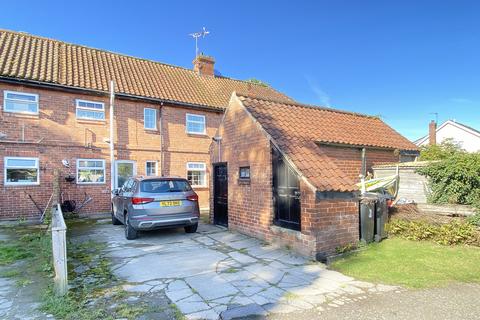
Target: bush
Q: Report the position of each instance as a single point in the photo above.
(454, 179)
(475, 219)
(440, 151)
(452, 233)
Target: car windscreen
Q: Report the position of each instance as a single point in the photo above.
(164, 186)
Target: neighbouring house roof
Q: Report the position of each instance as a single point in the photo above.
(459, 125)
(299, 129)
(408, 164)
(37, 59)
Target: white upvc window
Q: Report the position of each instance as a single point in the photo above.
(21, 171)
(195, 124)
(150, 119)
(20, 102)
(197, 174)
(90, 171)
(151, 168)
(90, 110)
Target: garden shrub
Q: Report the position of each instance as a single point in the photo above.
(452, 233)
(475, 219)
(441, 151)
(454, 179)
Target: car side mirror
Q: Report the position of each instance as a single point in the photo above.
(116, 192)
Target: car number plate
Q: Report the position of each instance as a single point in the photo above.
(170, 203)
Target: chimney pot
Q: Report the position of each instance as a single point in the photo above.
(432, 133)
(204, 65)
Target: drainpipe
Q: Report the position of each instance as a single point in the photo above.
(112, 147)
(161, 141)
(364, 170)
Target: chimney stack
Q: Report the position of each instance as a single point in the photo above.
(204, 65)
(432, 133)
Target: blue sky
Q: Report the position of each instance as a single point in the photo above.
(402, 60)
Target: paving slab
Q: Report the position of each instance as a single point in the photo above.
(217, 273)
(243, 311)
(242, 258)
(211, 286)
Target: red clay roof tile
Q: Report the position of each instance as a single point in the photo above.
(297, 129)
(28, 57)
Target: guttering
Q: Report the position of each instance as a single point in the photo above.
(350, 145)
(48, 85)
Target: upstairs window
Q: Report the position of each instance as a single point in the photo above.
(90, 171)
(196, 174)
(90, 110)
(150, 119)
(195, 124)
(21, 171)
(20, 102)
(151, 168)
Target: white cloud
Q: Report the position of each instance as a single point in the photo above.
(322, 96)
(460, 100)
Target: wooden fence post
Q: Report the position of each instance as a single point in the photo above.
(59, 249)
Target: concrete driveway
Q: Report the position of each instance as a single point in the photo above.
(217, 273)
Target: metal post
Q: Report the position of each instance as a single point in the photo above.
(112, 146)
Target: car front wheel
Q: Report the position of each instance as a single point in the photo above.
(192, 228)
(130, 232)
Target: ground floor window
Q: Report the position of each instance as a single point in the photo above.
(21, 171)
(151, 168)
(196, 174)
(90, 171)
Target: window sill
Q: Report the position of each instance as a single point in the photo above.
(21, 115)
(90, 184)
(200, 187)
(15, 185)
(151, 130)
(88, 121)
(198, 135)
(243, 181)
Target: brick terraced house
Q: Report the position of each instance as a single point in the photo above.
(287, 172)
(54, 100)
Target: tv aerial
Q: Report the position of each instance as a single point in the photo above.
(196, 36)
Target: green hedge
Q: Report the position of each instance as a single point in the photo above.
(455, 179)
(453, 233)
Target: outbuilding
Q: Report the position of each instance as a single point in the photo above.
(287, 172)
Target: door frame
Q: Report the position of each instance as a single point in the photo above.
(214, 166)
(291, 197)
(117, 162)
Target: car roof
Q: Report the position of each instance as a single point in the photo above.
(143, 178)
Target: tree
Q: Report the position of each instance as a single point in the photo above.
(444, 150)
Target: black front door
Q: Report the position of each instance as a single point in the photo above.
(220, 194)
(286, 193)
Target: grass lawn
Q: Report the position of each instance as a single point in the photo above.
(413, 264)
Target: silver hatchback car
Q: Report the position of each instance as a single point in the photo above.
(148, 203)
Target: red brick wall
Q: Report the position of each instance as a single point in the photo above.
(250, 206)
(349, 160)
(56, 134)
(325, 223)
(243, 144)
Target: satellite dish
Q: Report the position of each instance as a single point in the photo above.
(66, 163)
